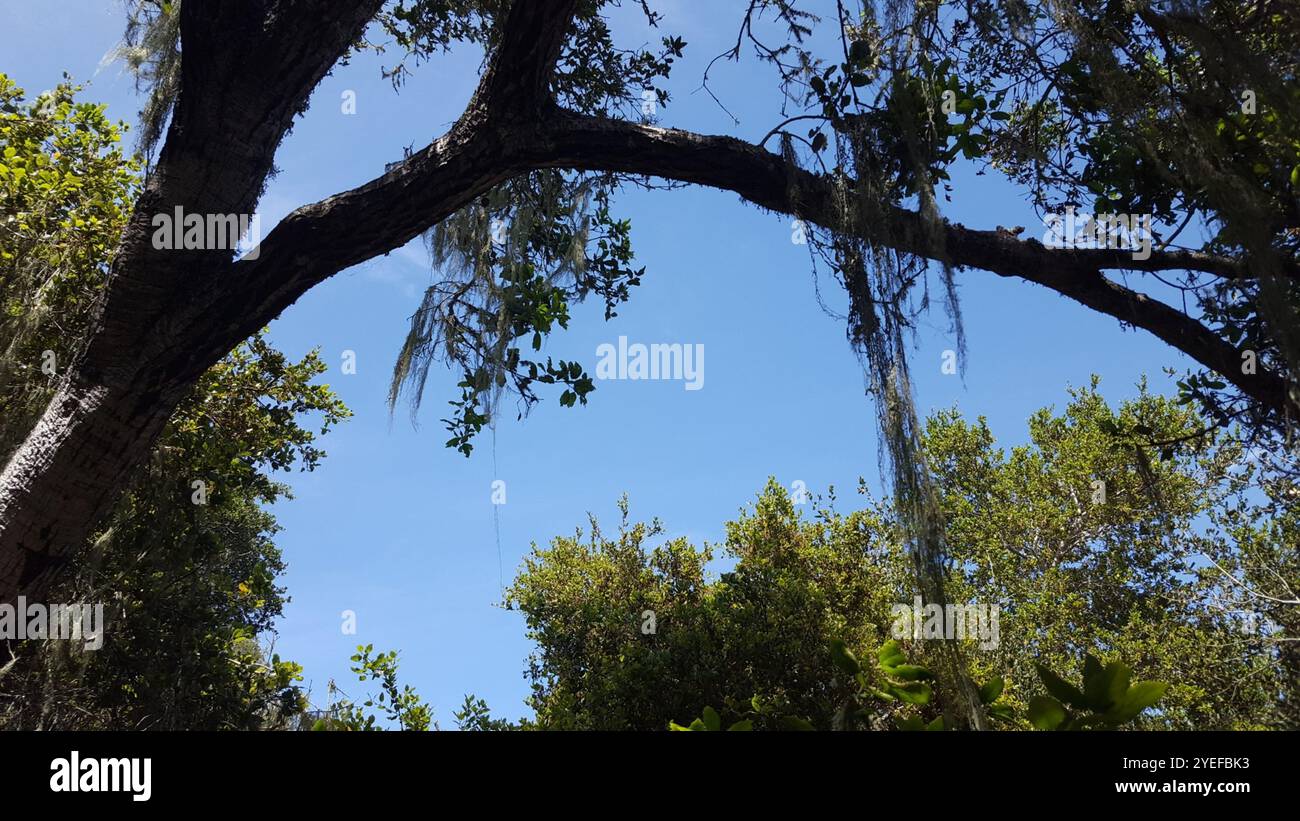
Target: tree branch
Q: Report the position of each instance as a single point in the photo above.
(483, 149)
(520, 73)
(318, 240)
(766, 179)
(246, 73)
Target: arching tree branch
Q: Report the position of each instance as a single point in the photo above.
(766, 179)
(389, 211)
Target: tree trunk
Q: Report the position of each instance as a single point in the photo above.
(248, 68)
(67, 475)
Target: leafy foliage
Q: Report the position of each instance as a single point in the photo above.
(1114, 105)
(398, 706)
(1125, 578)
(1107, 697)
(192, 586)
(1106, 701)
(151, 52)
(65, 192)
(512, 265)
(187, 574)
(1133, 107)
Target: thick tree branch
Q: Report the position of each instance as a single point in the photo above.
(483, 149)
(318, 240)
(766, 179)
(520, 73)
(247, 70)
(246, 73)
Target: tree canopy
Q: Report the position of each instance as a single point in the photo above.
(754, 619)
(1183, 114)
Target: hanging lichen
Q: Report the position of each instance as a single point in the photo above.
(151, 52)
(882, 158)
(506, 271)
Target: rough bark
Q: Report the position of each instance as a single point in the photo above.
(248, 69)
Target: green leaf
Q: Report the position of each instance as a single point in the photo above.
(742, 726)
(935, 725)
(1045, 712)
(1092, 667)
(1095, 689)
(712, 721)
(910, 672)
(889, 655)
(1140, 696)
(1002, 712)
(794, 723)
(910, 724)
(989, 692)
(1061, 689)
(916, 692)
(1107, 686)
(843, 658)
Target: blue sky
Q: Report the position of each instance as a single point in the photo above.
(400, 530)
